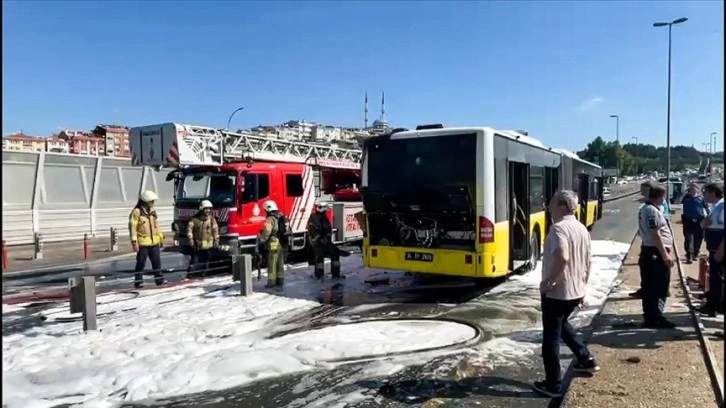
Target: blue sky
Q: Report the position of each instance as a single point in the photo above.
(556, 69)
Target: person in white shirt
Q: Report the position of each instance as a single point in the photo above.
(565, 271)
(713, 234)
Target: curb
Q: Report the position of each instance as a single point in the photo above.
(587, 333)
(39, 271)
(709, 357)
(45, 269)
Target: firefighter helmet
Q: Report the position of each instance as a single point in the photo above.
(205, 204)
(148, 196)
(269, 206)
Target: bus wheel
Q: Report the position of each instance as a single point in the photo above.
(534, 251)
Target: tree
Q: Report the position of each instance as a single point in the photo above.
(638, 158)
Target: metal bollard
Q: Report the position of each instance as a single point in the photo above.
(114, 239)
(82, 293)
(85, 246)
(38, 246)
(5, 255)
(242, 271)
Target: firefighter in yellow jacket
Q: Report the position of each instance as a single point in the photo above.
(274, 238)
(203, 235)
(146, 237)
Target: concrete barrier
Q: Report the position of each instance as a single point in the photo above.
(64, 196)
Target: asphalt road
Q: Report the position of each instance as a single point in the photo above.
(458, 379)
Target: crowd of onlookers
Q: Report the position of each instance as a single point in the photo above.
(566, 268)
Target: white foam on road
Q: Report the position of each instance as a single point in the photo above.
(184, 340)
(518, 339)
(187, 341)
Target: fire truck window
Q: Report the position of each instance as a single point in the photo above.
(294, 185)
(263, 187)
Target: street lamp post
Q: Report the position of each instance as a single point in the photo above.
(229, 121)
(635, 156)
(711, 152)
(668, 120)
(617, 150)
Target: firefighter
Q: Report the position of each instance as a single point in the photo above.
(203, 235)
(320, 232)
(273, 237)
(147, 237)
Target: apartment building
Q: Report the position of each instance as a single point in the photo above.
(115, 138)
(21, 142)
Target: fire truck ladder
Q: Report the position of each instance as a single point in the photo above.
(207, 143)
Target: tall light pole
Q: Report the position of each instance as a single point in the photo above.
(617, 149)
(711, 151)
(712, 142)
(668, 121)
(635, 156)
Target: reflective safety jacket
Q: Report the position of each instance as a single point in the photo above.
(268, 233)
(144, 228)
(203, 231)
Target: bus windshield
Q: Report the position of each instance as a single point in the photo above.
(219, 188)
(397, 165)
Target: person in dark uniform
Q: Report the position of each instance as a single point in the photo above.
(714, 225)
(656, 260)
(695, 210)
(320, 232)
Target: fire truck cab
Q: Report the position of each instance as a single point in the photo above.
(239, 172)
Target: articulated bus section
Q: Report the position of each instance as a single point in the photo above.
(468, 202)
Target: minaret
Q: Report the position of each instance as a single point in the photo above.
(383, 105)
(365, 120)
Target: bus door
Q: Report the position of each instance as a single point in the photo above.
(600, 197)
(519, 214)
(583, 196)
(551, 183)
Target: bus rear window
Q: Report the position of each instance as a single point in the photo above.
(401, 164)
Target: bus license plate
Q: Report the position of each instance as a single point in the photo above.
(419, 256)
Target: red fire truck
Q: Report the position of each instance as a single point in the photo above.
(238, 172)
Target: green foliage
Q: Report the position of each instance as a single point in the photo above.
(639, 158)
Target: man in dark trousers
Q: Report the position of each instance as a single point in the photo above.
(656, 259)
(320, 232)
(695, 210)
(566, 261)
(714, 225)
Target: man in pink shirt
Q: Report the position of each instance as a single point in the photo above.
(565, 270)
